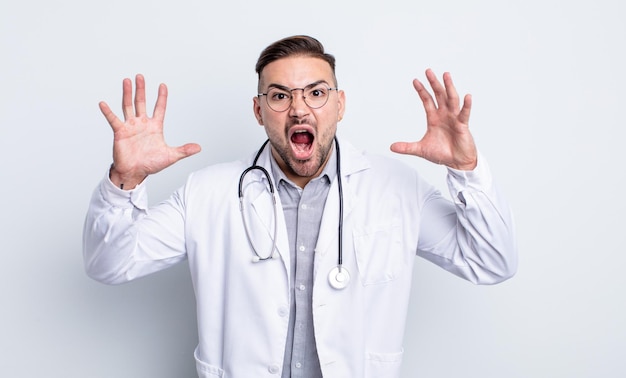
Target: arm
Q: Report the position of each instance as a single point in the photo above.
(122, 239)
(472, 237)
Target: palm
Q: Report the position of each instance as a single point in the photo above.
(139, 146)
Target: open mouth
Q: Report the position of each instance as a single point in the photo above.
(302, 144)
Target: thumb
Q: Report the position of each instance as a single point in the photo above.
(408, 148)
(187, 150)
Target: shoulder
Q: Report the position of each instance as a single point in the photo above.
(225, 169)
(215, 178)
(358, 161)
(382, 174)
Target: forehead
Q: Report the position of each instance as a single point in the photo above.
(296, 72)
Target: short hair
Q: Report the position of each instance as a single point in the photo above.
(298, 45)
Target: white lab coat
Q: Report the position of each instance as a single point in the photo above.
(390, 215)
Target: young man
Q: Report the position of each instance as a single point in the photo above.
(317, 283)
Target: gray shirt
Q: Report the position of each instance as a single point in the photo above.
(303, 209)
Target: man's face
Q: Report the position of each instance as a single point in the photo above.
(301, 137)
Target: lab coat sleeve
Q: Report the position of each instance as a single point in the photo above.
(124, 240)
(473, 236)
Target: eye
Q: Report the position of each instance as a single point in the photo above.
(278, 95)
(317, 92)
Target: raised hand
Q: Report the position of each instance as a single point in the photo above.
(139, 148)
(447, 140)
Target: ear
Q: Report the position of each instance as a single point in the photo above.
(256, 108)
(341, 104)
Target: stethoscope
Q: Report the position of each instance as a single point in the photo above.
(338, 277)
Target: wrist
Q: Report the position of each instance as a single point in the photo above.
(124, 181)
(466, 167)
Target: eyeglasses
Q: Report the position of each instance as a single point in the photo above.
(315, 96)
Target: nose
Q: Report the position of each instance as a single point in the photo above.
(298, 105)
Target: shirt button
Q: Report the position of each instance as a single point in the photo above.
(302, 248)
(302, 287)
(273, 369)
(298, 365)
(304, 206)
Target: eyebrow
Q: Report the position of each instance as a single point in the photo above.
(287, 89)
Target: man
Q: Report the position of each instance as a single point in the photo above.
(317, 284)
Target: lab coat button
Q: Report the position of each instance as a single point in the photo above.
(273, 369)
(282, 311)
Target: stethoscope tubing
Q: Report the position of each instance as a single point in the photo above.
(335, 282)
(254, 166)
(340, 221)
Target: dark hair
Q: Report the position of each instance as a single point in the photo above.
(298, 45)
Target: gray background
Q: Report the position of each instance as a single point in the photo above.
(548, 84)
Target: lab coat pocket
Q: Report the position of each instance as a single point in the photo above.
(208, 371)
(382, 365)
(378, 250)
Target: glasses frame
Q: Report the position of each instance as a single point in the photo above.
(290, 90)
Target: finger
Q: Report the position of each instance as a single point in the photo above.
(184, 151)
(453, 96)
(140, 96)
(427, 99)
(189, 149)
(438, 89)
(464, 115)
(127, 99)
(407, 148)
(161, 103)
(109, 115)
(418, 149)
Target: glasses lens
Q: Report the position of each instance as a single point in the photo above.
(278, 99)
(316, 96)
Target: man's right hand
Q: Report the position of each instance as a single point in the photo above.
(139, 148)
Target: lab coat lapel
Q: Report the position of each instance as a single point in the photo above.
(329, 228)
(327, 242)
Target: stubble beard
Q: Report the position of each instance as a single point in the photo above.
(309, 167)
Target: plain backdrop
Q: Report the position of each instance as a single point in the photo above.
(547, 79)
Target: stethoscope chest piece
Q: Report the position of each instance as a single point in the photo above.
(338, 278)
